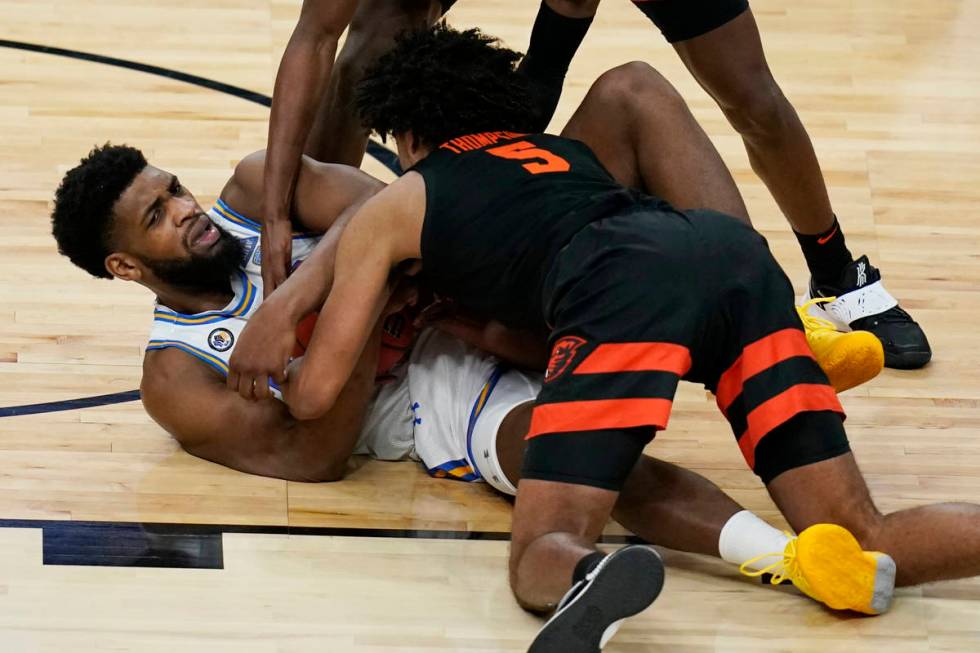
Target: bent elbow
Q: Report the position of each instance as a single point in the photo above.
(307, 408)
(308, 403)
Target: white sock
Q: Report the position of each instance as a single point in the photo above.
(745, 536)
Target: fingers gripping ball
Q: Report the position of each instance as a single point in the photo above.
(396, 338)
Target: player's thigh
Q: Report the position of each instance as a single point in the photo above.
(730, 64)
(623, 93)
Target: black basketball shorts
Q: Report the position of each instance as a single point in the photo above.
(680, 20)
(637, 302)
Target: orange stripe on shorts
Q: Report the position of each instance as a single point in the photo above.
(637, 357)
(758, 357)
(598, 414)
(774, 412)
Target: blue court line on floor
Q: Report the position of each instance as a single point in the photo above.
(70, 404)
(198, 546)
(384, 156)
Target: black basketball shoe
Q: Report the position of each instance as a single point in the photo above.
(623, 584)
(863, 304)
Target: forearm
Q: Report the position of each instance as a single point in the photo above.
(308, 286)
(327, 442)
(302, 79)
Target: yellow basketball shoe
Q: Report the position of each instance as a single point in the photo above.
(848, 359)
(827, 564)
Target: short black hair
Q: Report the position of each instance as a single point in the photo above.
(440, 83)
(82, 218)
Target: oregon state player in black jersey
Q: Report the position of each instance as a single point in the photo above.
(633, 296)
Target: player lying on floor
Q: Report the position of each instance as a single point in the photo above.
(634, 295)
(116, 216)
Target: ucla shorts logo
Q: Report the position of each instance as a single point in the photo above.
(221, 339)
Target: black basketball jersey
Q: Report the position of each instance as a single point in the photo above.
(499, 207)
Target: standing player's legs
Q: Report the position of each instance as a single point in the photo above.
(337, 135)
(654, 144)
(730, 65)
(719, 42)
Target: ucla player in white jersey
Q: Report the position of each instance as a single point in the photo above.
(425, 408)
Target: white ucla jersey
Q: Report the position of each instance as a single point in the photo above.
(211, 336)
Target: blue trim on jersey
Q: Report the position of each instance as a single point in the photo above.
(233, 216)
(200, 354)
(478, 406)
(249, 292)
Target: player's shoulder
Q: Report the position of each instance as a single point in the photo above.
(243, 191)
(169, 371)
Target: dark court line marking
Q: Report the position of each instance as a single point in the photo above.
(384, 156)
(70, 404)
(198, 546)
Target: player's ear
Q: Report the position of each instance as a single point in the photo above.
(416, 150)
(123, 266)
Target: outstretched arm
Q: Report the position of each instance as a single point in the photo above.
(383, 233)
(303, 78)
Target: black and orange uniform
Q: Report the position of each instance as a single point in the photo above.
(634, 296)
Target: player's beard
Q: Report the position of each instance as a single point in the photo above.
(205, 274)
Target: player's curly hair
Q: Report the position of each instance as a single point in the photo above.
(440, 83)
(82, 218)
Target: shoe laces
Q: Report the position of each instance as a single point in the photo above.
(812, 322)
(787, 567)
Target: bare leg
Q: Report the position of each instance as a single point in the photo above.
(337, 135)
(662, 503)
(654, 144)
(730, 65)
(554, 526)
(928, 543)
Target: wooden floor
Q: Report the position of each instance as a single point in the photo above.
(890, 92)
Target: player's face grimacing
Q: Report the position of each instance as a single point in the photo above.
(161, 233)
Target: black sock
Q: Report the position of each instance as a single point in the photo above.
(826, 254)
(586, 564)
(554, 40)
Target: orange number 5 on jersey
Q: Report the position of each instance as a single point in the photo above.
(522, 150)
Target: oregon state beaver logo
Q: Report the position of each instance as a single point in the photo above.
(562, 355)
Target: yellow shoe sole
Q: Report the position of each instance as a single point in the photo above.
(841, 574)
(854, 358)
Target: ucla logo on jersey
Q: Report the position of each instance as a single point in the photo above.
(221, 339)
(257, 259)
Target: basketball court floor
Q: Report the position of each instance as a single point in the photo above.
(112, 539)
